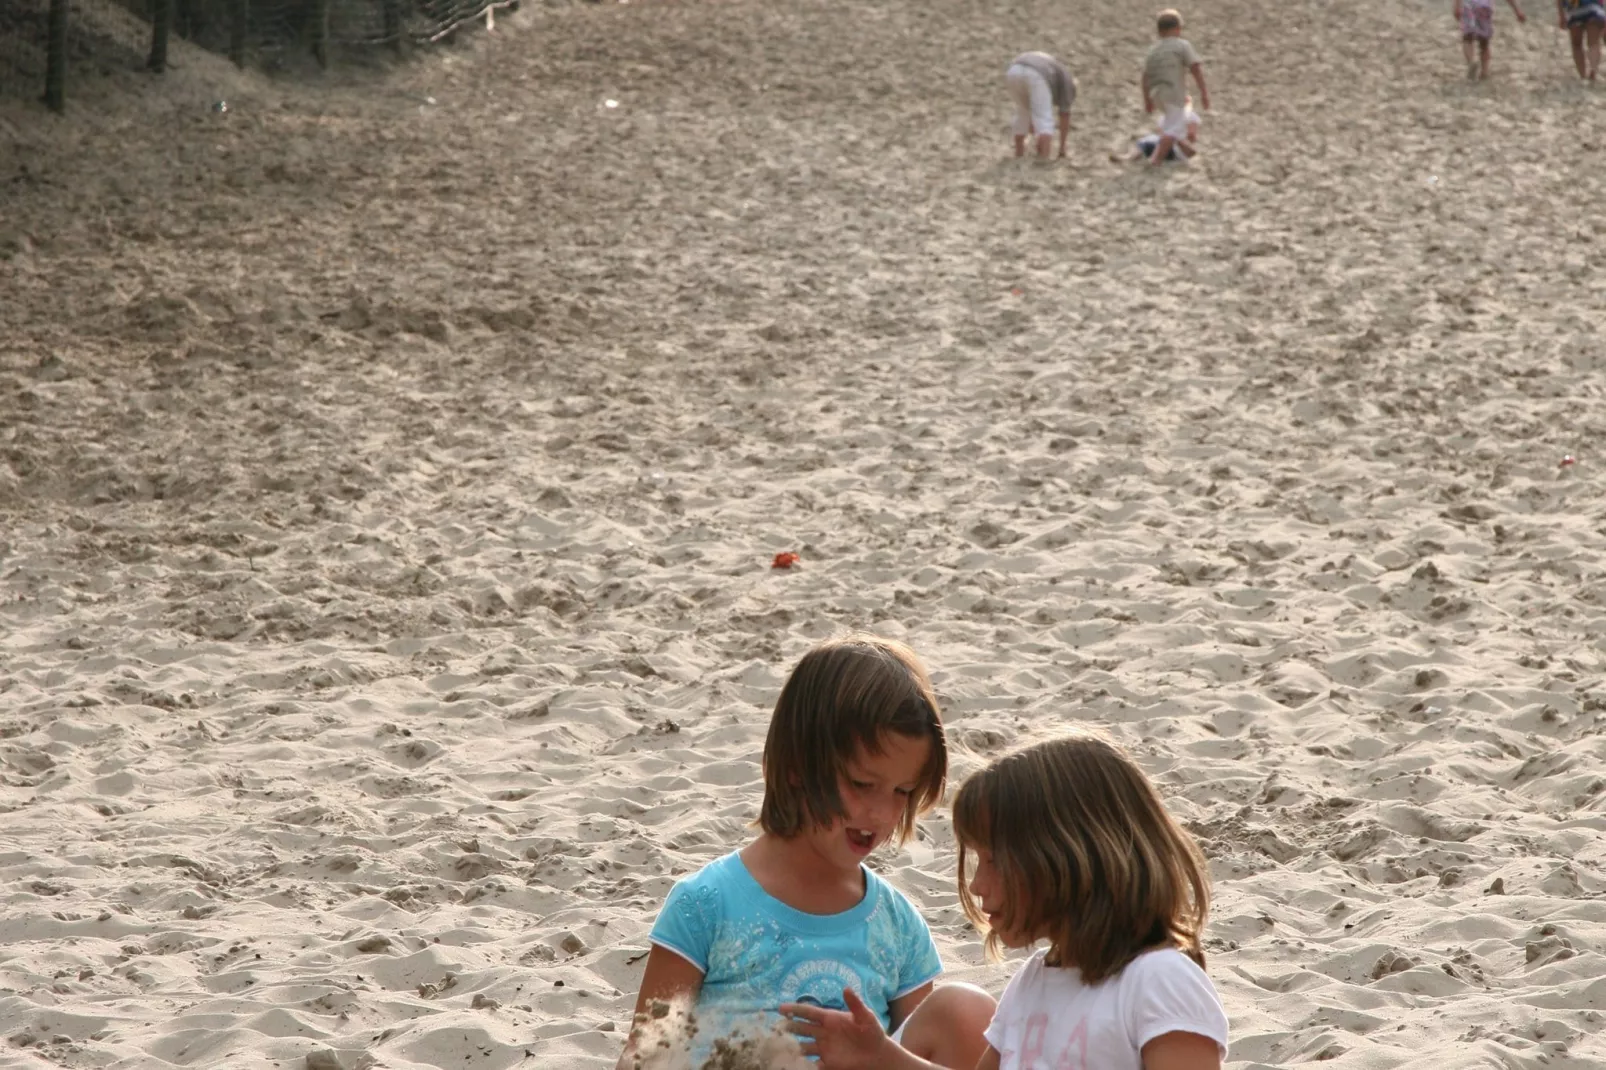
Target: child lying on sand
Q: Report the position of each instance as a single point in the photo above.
(1182, 148)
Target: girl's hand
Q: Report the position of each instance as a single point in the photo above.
(844, 1040)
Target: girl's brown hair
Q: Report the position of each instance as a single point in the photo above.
(846, 694)
(1088, 857)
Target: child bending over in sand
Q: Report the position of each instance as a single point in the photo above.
(1583, 20)
(1165, 74)
(855, 753)
(1477, 25)
(1042, 87)
(1072, 847)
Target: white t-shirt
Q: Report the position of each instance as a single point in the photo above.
(1049, 1020)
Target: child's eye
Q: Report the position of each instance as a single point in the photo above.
(860, 785)
(905, 792)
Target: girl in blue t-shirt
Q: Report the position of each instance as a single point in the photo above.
(1072, 847)
(854, 754)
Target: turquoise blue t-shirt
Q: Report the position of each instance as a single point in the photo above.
(757, 953)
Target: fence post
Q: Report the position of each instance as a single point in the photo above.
(56, 57)
(239, 14)
(393, 23)
(320, 32)
(161, 25)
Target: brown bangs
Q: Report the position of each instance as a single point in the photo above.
(844, 695)
(1089, 858)
(973, 830)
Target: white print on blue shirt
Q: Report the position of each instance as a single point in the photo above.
(757, 953)
(820, 982)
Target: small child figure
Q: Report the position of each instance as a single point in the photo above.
(855, 753)
(1040, 86)
(1165, 74)
(1583, 20)
(1477, 24)
(1067, 843)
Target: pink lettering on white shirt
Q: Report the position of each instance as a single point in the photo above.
(1072, 1057)
(1031, 1051)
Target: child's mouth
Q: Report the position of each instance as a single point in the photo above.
(861, 840)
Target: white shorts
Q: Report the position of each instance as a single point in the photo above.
(1034, 101)
(1174, 122)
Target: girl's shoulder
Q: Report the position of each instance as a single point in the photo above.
(887, 896)
(721, 873)
(1163, 990)
(1160, 961)
(1167, 976)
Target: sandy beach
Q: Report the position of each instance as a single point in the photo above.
(391, 467)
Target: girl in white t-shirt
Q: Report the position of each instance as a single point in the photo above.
(1072, 847)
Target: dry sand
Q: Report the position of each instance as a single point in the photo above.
(390, 470)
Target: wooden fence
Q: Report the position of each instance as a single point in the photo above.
(236, 27)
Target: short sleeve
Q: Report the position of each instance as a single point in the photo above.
(920, 962)
(1070, 91)
(1171, 994)
(1190, 56)
(1006, 1011)
(688, 921)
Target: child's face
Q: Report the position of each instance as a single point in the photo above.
(987, 885)
(875, 790)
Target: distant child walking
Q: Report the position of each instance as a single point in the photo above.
(1165, 75)
(854, 754)
(1072, 847)
(1584, 21)
(1477, 27)
(1043, 91)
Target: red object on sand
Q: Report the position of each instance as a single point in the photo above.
(1568, 461)
(784, 559)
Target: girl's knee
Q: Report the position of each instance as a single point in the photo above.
(948, 1025)
(968, 1007)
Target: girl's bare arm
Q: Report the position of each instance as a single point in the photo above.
(1204, 94)
(1181, 1051)
(669, 979)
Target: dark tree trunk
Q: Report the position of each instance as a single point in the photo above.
(56, 57)
(161, 27)
(320, 32)
(239, 16)
(393, 23)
